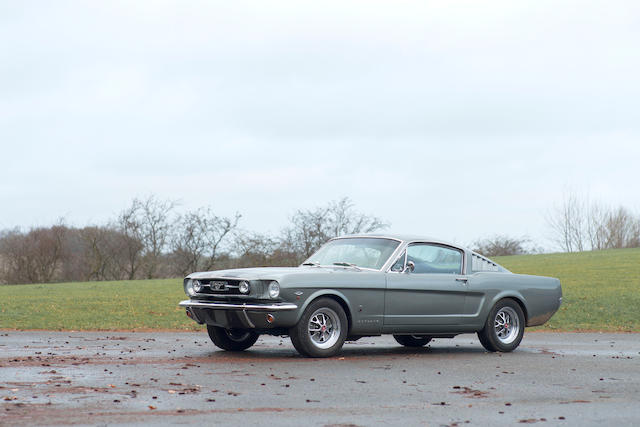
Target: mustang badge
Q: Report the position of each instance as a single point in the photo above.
(218, 286)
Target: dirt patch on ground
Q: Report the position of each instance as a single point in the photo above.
(33, 414)
(470, 393)
(45, 361)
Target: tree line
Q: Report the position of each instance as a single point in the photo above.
(153, 238)
(576, 224)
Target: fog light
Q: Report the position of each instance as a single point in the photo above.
(270, 318)
(243, 287)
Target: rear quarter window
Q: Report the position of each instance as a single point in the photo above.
(479, 264)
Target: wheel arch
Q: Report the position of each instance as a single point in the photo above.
(519, 299)
(334, 295)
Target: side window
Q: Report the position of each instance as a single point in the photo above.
(399, 264)
(431, 258)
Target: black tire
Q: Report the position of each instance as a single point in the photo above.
(308, 335)
(495, 336)
(412, 340)
(232, 339)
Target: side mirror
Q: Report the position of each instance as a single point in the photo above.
(410, 267)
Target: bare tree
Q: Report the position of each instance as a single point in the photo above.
(102, 247)
(74, 266)
(17, 264)
(154, 216)
(126, 255)
(198, 238)
(310, 229)
(48, 249)
(619, 229)
(34, 257)
(579, 225)
(502, 246)
(634, 235)
(343, 219)
(307, 232)
(4, 262)
(595, 226)
(147, 225)
(569, 223)
(129, 225)
(254, 249)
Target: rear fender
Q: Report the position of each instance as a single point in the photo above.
(515, 295)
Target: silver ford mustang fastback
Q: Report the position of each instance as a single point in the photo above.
(365, 285)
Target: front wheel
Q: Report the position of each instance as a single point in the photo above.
(322, 329)
(412, 340)
(504, 327)
(232, 339)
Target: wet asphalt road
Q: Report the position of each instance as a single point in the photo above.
(110, 378)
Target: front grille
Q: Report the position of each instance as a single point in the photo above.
(219, 287)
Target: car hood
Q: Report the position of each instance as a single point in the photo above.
(273, 273)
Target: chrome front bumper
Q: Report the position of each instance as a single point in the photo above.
(280, 306)
(241, 315)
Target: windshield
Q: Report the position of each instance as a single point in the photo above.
(360, 251)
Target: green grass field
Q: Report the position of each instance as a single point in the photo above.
(137, 304)
(601, 289)
(601, 292)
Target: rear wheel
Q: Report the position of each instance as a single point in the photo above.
(412, 340)
(322, 329)
(504, 327)
(232, 339)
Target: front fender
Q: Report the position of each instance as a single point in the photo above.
(322, 293)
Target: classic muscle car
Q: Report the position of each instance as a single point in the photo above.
(366, 285)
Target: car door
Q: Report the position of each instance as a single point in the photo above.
(426, 287)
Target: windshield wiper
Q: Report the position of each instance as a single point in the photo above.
(347, 264)
(312, 263)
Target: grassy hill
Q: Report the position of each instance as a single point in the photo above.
(601, 292)
(601, 288)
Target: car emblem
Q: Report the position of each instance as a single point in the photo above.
(218, 286)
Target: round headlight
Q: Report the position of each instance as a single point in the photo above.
(243, 287)
(197, 286)
(274, 289)
(188, 287)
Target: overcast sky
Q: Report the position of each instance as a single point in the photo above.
(456, 119)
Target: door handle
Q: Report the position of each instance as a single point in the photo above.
(462, 279)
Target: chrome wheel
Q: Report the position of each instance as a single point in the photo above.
(321, 330)
(507, 325)
(324, 328)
